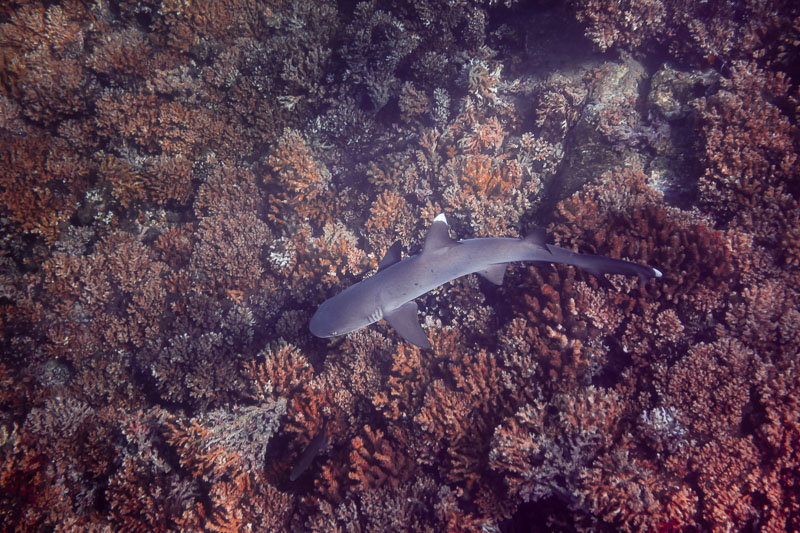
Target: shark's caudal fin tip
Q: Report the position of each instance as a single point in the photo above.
(440, 218)
(657, 272)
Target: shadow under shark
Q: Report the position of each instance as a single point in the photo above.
(390, 293)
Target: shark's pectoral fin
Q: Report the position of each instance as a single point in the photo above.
(404, 320)
(494, 273)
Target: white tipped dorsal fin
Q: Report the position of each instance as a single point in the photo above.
(438, 236)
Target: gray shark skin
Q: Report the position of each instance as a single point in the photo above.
(390, 293)
(312, 449)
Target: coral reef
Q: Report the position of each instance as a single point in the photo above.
(182, 183)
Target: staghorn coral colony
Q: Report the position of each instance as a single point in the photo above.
(182, 183)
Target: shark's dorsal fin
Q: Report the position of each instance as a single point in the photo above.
(405, 322)
(392, 256)
(537, 236)
(494, 273)
(438, 235)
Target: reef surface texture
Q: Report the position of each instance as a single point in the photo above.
(183, 183)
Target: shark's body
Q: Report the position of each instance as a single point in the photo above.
(390, 293)
(319, 442)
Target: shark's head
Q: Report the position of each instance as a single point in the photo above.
(333, 319)
(323, 323)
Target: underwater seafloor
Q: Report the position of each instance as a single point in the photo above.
(183, 183)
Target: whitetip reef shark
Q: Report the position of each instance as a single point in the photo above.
(390, 293)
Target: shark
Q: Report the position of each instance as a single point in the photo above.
(319, 442)
(389, 294)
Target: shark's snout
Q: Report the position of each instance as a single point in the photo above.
(330, 320)
(319, 326)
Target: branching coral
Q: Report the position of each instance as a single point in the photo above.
(711, 32)
(542, 450)
(750, 152)
(227, 444)
(305, 184)
(182, 183)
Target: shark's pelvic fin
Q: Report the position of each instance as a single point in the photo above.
(405, 322)
(392, 256)
(438, 235)
(494, 273)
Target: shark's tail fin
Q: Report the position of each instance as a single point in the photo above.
(598, 266)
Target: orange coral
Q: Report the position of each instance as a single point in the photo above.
(126, 184)
(413, 103)
(181, 186)
(227, 444)
(374, 462)
(388, 222)
(168, 178)
(284, 370)
(405, 383)
(304, 184)
(228, 253)
(631, 494)
(40, 182)
(750, 153)
(329, 258)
